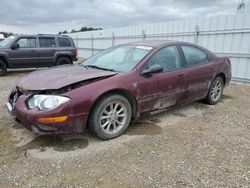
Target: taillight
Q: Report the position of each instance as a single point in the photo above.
(75, 52)
(227, 60)
(228, 63)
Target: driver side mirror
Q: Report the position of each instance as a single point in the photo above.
(15, 46)
(153, 69)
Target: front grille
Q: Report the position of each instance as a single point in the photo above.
(15, 94)
(46, 128)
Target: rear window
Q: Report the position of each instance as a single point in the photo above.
(47, 42)
(64, 42)
(194, 56)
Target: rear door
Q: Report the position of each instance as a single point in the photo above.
(26, 55)
(47, 51)
(199, 71)
(167, 88)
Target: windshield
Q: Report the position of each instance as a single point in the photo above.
(119, 59)
(7, 41)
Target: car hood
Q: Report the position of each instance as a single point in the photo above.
(59, 77)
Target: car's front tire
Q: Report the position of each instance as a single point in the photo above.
(110, 117)
(216, 91)
(3, 68)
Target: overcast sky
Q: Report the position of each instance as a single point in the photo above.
(51, 16)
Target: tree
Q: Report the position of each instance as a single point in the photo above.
(7, 34)
(85, 28)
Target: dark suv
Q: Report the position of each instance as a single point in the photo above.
(32, 51)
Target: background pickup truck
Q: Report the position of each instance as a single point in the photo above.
(33, 51)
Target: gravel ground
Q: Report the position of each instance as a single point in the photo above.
(193, 146)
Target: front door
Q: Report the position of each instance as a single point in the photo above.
(168, 86)
(26, 55)
(148, 92)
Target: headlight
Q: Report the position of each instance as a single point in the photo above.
(46, 102)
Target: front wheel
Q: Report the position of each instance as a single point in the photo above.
(110, 117)
(215, 92)
(3, 68)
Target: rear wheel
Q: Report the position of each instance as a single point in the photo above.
(63, 61)
(215, 91)
(3, 68)
(110, 117)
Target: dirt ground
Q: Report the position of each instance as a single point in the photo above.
(192, 146)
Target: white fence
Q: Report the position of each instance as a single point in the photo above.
(224, 35)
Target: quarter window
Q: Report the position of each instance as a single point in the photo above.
(167, 57)
(27, 42)
(194, 56)
(64, 42)
(47, 42)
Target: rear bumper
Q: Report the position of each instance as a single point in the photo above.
(75, 123)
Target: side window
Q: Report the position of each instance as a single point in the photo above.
(194, 56)
(27, 42)
(46, 42)
(64, 42)
(167, 57)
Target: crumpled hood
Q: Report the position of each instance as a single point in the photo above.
(59, 77)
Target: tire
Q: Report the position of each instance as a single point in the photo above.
(63, 61)
(106, 123)
(3, 68)
(215, 92)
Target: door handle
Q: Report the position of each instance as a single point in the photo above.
(211, 68)
(180, 75)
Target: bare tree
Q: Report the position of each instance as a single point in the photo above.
(241, 7)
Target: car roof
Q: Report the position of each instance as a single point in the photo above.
(161, 43)
(154, 43)
(42, 35)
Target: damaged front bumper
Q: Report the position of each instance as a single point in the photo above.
(29, 118)
(9, 107)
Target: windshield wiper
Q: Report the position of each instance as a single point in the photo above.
(97, 67)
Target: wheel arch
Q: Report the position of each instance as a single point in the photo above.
(123, 92)
(63, 54)
(4, 60)
(223, 76)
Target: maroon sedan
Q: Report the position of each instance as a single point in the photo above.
(117, 85)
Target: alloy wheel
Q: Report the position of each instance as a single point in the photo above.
(113, 117)
(216, 90)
